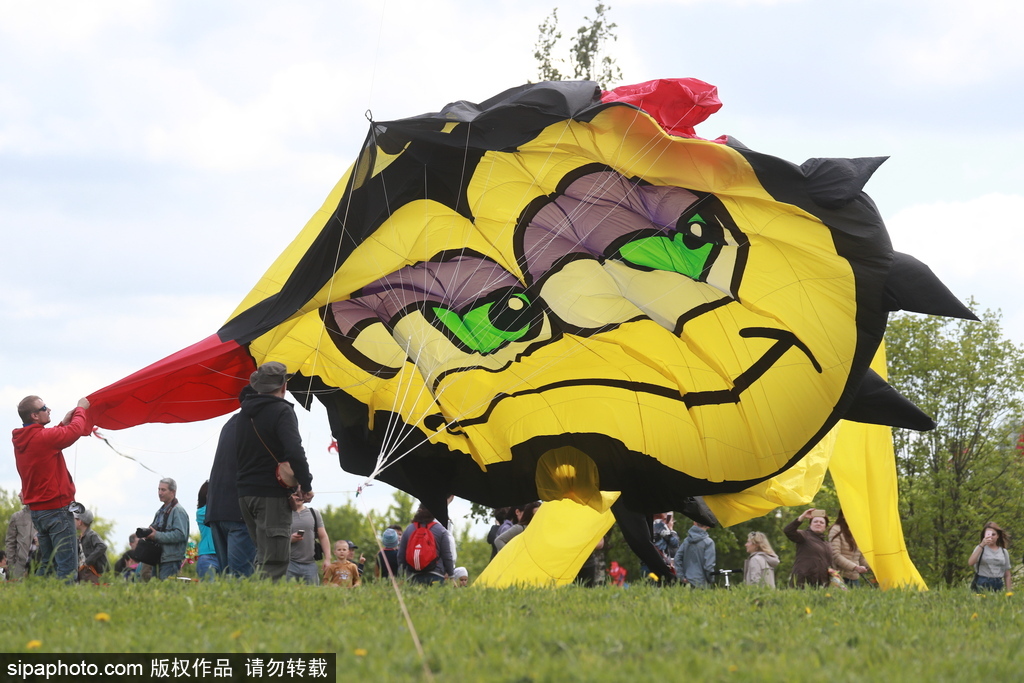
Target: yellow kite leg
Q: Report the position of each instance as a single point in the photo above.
(796, 486)
(553, 547)
(864, 471)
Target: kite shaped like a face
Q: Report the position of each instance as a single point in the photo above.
(494, 287)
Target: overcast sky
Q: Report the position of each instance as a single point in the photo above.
(156, 157)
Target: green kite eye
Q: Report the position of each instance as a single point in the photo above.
(490, 325)
(685, 254)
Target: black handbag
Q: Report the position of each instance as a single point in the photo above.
(147, 551)
(977, 566)
(318, 550)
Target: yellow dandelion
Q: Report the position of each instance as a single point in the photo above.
(828, 595)
(236, 635)
(360, 652)
(102, 616)
(33, 644)
(808, 610)
(1009, 594)
(974, 616)
(733, 668)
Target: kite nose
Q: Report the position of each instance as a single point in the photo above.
(567, 473)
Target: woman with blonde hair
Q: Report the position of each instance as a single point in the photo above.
(759, 567)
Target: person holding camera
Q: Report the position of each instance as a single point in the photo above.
(813, 553)
(991, 560)
(169, 529)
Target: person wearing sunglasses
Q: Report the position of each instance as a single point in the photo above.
(46, 484)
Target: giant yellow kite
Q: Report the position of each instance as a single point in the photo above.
(563, 293)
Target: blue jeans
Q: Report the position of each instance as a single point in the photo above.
(989, 583)
(58, 543)
(207, 567)
(236, 553)
(169, 569)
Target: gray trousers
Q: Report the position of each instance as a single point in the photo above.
(308, 572)
(269, 521)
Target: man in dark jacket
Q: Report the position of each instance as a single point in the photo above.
(46, 485)
(93, 548)
(268, 434)
(236, 552)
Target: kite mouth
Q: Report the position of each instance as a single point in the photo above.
(784, 341)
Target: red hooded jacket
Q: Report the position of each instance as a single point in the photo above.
(45, 481)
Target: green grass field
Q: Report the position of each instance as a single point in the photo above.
(639, 633)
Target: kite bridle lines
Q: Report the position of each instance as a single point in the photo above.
(397, 429)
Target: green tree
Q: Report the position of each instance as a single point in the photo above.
(968, 470)
(400, 512)
(104, 528)
(474, 553)
(9, 504)
(348, 523)
(547, 41)
(587, 59)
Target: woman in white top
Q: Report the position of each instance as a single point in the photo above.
(759, 567)
(991, 560)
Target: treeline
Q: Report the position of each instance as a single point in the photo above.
(968, 471)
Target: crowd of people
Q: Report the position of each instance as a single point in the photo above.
(821, 559)
(253, 517)
(252, 514)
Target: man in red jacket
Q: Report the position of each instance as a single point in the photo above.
(46, 485)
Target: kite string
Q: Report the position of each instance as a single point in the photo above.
(99, 435)
(428, 674)
(376, 54)
(395, 427)
(401, 601)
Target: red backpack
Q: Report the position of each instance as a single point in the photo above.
(421, 552)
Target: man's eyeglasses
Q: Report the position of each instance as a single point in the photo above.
(41, 410)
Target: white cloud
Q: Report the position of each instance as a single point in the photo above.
(974, 247)
(61, 25)
(952, 42)
(969, 239)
